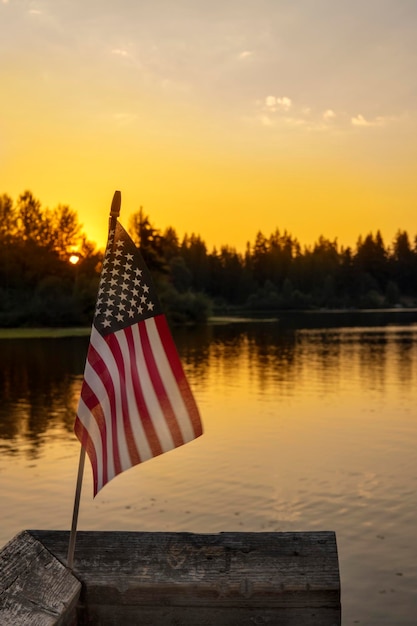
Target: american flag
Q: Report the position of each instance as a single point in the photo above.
(135, 400)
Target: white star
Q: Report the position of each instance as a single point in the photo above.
(119, 317)
(106, 323)
(150, 306)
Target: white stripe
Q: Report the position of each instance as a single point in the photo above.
(170, 383)
(154, 408)
(138, 431)
(96, 385)
(107, 356)
(90, 425)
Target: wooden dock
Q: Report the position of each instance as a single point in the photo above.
(151, 578)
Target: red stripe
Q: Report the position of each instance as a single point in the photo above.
(118, 356)
(96, 410)
(177, 370)
(88, 445)
(144, 415)
(103, 373)
(158, 385)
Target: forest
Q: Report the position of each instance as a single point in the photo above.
(49, 270)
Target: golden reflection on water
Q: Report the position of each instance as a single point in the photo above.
(304, 429)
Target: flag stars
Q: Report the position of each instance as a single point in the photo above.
(124, 297)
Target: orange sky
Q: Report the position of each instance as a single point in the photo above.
(218, 118)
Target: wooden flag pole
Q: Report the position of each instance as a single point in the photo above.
(71, 546)
(114, 214)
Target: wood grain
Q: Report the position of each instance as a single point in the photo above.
(35, 588)
(185, 578)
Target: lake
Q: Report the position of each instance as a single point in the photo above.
(310, 424)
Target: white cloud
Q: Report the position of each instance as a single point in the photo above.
(284, 103)
(274, 104)
(359, 120)
(120, 52)
(245, 54)
(270, 102)
(329, 114)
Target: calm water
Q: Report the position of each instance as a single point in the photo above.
(306, 428)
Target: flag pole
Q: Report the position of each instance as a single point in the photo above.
(114, 214)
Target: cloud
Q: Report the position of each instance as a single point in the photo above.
(329, 114)
(359, 120)
(245, 54)
(274, 104)
(120, 52)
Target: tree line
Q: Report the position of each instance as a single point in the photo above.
(39, 284)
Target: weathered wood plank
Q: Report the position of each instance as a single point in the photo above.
(184, 578)
(35, 588)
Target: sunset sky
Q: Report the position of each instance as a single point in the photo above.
(220, 118)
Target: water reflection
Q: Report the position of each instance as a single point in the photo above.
(40, 379)
(39, 383)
